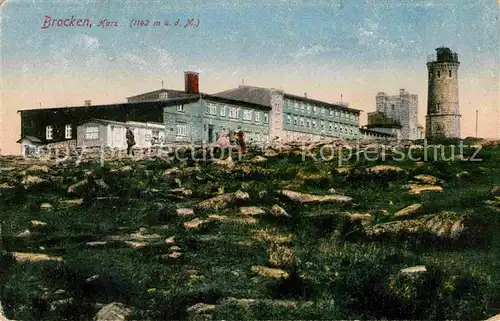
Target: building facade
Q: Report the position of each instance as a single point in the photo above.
(111, 134)
(300, 118)
(401, 109)
(443, 111)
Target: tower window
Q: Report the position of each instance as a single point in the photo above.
(439, 73)
(438, 108)
(449, 73)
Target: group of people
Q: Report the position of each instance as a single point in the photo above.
(227, 138)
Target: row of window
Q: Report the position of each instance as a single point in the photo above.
(300, 121)
(49, 132)
(311, 108)
(234, 112)
(439, 73)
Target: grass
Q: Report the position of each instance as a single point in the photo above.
(335, 271)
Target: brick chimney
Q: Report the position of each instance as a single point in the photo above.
(88, 103)
(191, 82)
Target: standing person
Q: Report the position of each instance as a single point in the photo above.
(223, 139)
(130, 141)
(241, 140)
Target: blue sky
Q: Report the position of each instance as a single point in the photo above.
(325, 48)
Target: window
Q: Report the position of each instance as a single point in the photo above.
(92, 132)
(180, 108)
(337, 113)
(265, 118)
(352, 116)
(314, 109)
(449, 73)
(223, 111)
(336, 127)
(331, 112)
(308, 123)
(67, 131)
(211, 109)
(164, 95)
(288, 119)
(301, 121)
(308, 108)
(302, 106)
(257, 116)
(439, 73)
(247, 114)
(48, 132)
(296, 105)
(438, 108)
(322, 110)
(322, 125)
(233, 112)
(314, 123)
(182, 129)
(295, 120)
(330, 127)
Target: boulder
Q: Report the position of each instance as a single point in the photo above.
(194, 224)
(418, 189)
(34, 257)
(252, 210)
(242, 196)
(38, 168)
(319, 199)
(258, 159)
(384, 168)
(409, 210)
(36, 224)
(78, 188)
(46, 206)
(215, 203)
(439, 225)
(201, 308)
(270, 272)
(414, 270)
(427, 179)
(170, 240)
(279, 211)
(32, 180)
(115, 311)
(495, 191)
(171, 171)
(184, 211)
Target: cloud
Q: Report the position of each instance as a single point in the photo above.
(312, 51)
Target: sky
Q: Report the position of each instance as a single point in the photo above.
(325, 48)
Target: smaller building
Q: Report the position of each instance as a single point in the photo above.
(111, 134)
(30, 146)
(370, 134)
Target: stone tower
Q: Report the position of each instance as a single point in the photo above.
(443, 112)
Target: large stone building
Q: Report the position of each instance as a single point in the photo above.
(443, 111)
(190, 116)
(396, 112)
(295, 117)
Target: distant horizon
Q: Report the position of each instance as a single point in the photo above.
(325, 49)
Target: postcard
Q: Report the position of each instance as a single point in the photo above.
(247, 160)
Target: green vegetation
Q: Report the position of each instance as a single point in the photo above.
(338, 265)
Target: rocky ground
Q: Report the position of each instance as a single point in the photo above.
(277, 234)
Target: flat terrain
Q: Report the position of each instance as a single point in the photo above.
(275, 235)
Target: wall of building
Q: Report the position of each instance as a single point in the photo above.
(307, 119)
(199, 117)
(402, 108)
(34, 122)
(100, 141)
